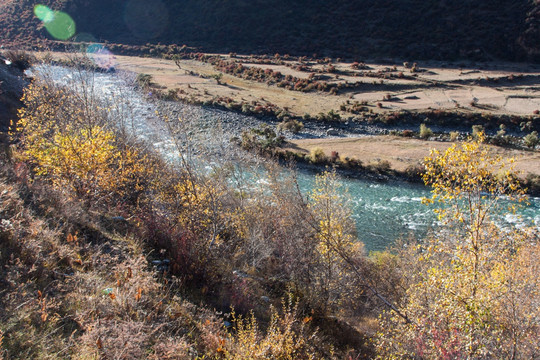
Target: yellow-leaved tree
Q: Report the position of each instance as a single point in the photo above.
(472, 290)
(337, 248)
(70, 142)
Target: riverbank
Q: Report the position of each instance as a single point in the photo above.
(364, 136)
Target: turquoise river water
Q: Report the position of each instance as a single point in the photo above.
(383, 212)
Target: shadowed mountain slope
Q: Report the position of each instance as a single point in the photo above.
(413, 29)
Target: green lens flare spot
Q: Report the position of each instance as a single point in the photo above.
(43, 13)
(59, 24)
(61, 27)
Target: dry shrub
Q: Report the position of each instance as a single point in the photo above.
(241, 247)
(33, 258)
(1, 347)
(172, 349)
(116, 289)
(88, 295)
(317, 155)
(285, 338)
(425, 132)
(115, 340)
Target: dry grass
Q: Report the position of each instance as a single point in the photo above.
(70, 291)
(435, 87)
(401, 152)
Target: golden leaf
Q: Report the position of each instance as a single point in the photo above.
(139, 294)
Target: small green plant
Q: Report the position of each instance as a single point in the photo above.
(500, 139)
(425, 132)
(217, 77)
(144, 80)
(525, 125)
(261, 139)
(454, 135)
(330, 116)
(246, 109)
(531, 140)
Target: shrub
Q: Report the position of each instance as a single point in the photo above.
(246, 108)
(144, 80)
(287, 337)
(414, 172)
(317, 155)
(291, 125)
(382, 166)
(262, 139)
(407, 133)
(71, 146)
(532, 182)
(462, 282)
(330, 116)
(531, 140)
(477, 130)
(500, 139)
(20, 59)
(425, 132)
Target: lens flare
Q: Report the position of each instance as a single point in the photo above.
(145, 19)
(59, 24)
(43, 13)
(101, 56)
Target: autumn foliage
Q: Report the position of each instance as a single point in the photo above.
(471, 292)
(235, 247)
(68, 142)
(87, 211)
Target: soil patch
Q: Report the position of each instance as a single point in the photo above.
(401, 152)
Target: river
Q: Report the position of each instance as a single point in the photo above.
(383, 212)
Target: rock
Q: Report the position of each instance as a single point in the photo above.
(332, 132)
(240, 274)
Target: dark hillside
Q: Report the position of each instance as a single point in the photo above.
(412, 29)
(11, 90)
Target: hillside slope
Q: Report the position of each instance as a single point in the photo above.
(415, 29)
(11, 90)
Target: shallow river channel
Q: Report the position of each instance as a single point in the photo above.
(383, 212)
